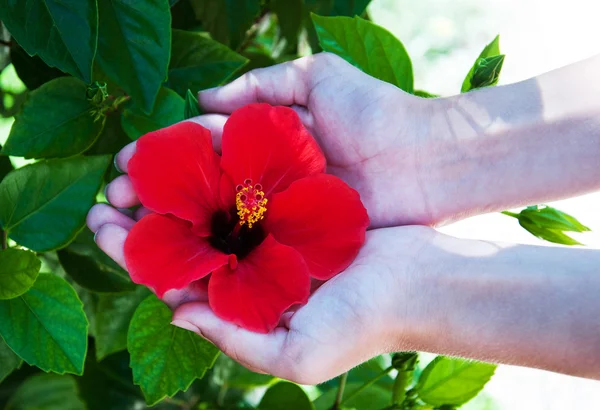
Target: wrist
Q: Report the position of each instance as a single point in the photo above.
(474, 153)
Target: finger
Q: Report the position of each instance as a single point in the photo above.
(214, 123)
(141, 212)
(111, 239)
(305, 116)
(120, 192)
(288, 83)
(254, 350)
(195, 292)
(122, 158)
(102, 214)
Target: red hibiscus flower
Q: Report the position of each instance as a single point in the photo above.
(261, 219)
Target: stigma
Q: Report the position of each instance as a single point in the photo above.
(250, 202)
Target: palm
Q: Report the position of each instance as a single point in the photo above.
(358, 121)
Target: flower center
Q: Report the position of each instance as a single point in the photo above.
(250, 202)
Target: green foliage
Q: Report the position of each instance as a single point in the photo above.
(191, 108)
(227, 20)
(164, 358)
(487, 71)
(285, 396)
(9, 361)
(167, 111)
(5, 166)
(491, 50)
(46, 28)
(44, 204)
(452, 381)
(197, 62)
(367, 46)
(51, 314)
(232, 374)
(47, 392)
(134, 46)
(91, 268)
(56, 121)
(18, 271)
(373, 397)
(114, 313)
(549, 224)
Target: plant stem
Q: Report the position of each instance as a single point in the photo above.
(340, 392)
(4, 238)
(221, 395)
(253, 32)
(514, 215)
(366, 385)
(5, 43)
(399, 389)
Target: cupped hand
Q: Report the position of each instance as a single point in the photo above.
(369, 132)
(373, 134)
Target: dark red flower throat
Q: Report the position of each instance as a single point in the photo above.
(248, 218)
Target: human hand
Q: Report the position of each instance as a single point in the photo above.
(373, 134)
(361, 313)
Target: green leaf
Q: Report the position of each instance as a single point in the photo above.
(453, 381)
(5, 165)
(424, 94)
(373, 397)
(112, 138)
(553, 218)
(91, 268)
(9, 361)
(32, 70)
(114, 313)
(289, 14)
(63, 34)
(547, 234)
(367, 46)
(167, 111)
(56, 121)
(192, 108)
(108, 385)
(487, 71)
(285, 396)
(134, 46)
(548, 223)
(165, 359)
(197, 62)
(18, 271)
(47, 392)
(44, 205)
(348, 8)
(46, 326)
(491, 50)
(227, 20)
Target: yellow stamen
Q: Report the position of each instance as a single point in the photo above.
(250, 202)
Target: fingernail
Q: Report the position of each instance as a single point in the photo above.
(117, 165)
(106, 191)
(95, 234)
(183, 324)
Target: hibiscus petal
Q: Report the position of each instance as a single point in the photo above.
(176, 170)
(162, 253)
(269, 145)
(323, 219)
(264, 284)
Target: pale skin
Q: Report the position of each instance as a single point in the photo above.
(421, 162)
